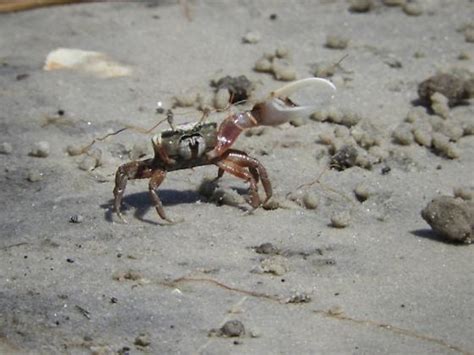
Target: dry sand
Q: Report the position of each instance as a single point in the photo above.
(383, 284)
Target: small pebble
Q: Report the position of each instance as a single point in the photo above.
(34, 176)
(362, 192)
(76, 218)
(319, 116)
(412, 9)
(464, 55)
(298, 121)
(336, 42)
(101, 350)
(379, 153)
(6, 148)
(363, 161)
(469, 35)
(88, 163)
(422, 137)
(464, 192)
(277, 265)
(360, 5)
(276, 203)
(252, 37)
(282, 52)
(403, 134)
(227, 196)
(436, 123)
(142, 340)
(341, 219)
(439, 104)
(222, 99)
(185, 99)
(324, 69)
(350, 118)
(205, 101)
(310, 200)
(415, 114)
(335, 311)
(451, 130)
(263, 65)
(442, 144)
(40, 150)
(283, 70)
(440, 141)
(452, 152)
(341, 132)
(74, 150)
(255, 333)
(467, 125)
(267, 248)
(233, 328)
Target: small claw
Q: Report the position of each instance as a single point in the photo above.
(280, 108)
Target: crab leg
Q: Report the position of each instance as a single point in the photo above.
(133, 170)
(275, 110)
(236, 163)
(155, 181)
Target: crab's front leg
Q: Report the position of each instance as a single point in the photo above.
(134, 170)
(275, 110)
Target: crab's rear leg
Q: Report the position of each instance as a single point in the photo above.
(133, 170)
(249, 169)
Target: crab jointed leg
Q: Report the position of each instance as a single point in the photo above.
(133, 170)
(155, 181)
(239, 164)
(275, 110)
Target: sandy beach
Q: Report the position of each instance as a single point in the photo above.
(340, 261)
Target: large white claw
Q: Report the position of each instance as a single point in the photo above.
(278, 109)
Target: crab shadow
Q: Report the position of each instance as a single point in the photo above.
(140, 203)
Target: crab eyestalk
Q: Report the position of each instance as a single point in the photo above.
(275, 110)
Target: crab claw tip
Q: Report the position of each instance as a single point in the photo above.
(319, 84)
(279, 109)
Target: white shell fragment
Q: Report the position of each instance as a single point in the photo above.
(95, 63)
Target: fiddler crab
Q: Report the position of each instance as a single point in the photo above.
(203, 143)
